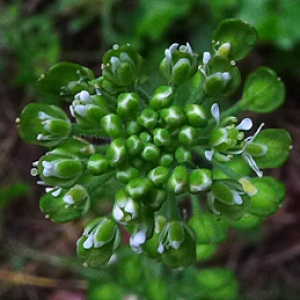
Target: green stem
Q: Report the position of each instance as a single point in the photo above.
(197, 209)
(95, 132)
(233, 110)
(172, 208)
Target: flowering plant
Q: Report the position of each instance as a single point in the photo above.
(157, 146)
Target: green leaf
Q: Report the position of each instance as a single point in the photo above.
(263, 91)
(54, 204)
(270, 194)
(241, 36)
(72, 77)
(279, 145)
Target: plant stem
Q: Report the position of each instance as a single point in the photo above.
(172, 209)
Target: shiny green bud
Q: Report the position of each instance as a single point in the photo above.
(98, 164)
(158, 175)
(183, 155)
(133, 145)
(148, 118)
(188, 135)
(216, 83)
(126, 173)
(178, 181)
(166, 160)
(161, 137)
(112, 125)
(200, 180)
(150, 152)
(155, 198)
(145, 137)
(173, 116)
(137, 188)
(128, 105)
(116, 152)
(162, 98)
(132, 127)
(195, 115)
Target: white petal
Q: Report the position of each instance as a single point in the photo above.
(209, 154)
(206, 57)
(215, 111)
(246, 124)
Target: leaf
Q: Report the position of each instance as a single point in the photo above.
(241, 36)
(270, 194)
(279, 145)
(62, 74)
(263, 91)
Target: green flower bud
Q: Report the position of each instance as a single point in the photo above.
(100, 239)
(59, 170)
(88, 110)
(150, 152)
(45, 125)
(75, 147)
(216, 83)
(161, 137)
(133, 145)
(178, 181)
(162, 98)
(224, 50)
(128, 105)
(98, 164)
(63, 205)
(166, 160)
(113, 126)
(137, 188)
(200, 180)
(177, 245)
(145, 137)
(158, 175)
(126, 173)
(188, 135)
(183, 155)
(132, 127)
(179, 65)
(125, 208)
(116, 152)
(173, 116)
(228, 191)
(121, 65)
(195, 115)
(148, 118)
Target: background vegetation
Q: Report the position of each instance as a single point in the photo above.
(37, 257)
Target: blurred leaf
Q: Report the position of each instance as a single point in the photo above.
(270, 193)
(279, 145)
(241, 36)
(263, 91)
(17, 189)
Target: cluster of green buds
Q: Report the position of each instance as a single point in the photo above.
(148, 151)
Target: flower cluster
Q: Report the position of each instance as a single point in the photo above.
(153, 149)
